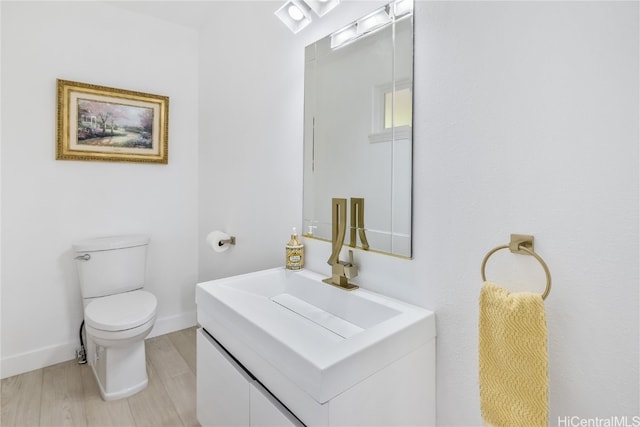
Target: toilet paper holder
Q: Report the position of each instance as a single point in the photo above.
(231, 240)
(220, 241)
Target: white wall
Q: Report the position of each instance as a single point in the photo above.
(48, 204)
(250, 169)
(527, 121)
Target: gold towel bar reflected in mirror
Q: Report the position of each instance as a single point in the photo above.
(520, 244)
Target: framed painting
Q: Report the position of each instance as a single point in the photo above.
(106, 124)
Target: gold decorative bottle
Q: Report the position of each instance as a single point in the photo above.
(294, 253)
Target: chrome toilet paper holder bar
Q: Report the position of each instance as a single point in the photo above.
(231, 240)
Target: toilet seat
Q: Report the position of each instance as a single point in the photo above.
(119, 338)
(121, 312)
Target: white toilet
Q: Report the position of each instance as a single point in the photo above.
(118, 314)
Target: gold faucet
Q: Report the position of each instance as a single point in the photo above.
(341, 271)
(357, 223)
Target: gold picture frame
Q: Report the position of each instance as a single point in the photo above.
(98, 123)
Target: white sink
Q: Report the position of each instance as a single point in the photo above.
(323, 339)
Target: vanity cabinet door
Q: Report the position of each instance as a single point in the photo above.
(267, 411)
(228, 395)
(223, 388)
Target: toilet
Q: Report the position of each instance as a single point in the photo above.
(118, 313)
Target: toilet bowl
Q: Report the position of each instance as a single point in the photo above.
(116, 325)
(118, 313)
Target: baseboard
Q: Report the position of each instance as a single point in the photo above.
(51, 355)
(170, 324)
(36, 359)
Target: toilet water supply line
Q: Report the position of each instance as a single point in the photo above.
(81, 354)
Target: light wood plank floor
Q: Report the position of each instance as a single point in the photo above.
(67, 394)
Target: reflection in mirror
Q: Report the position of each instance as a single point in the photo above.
(358, 129)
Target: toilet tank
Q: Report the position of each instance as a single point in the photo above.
(111, 265)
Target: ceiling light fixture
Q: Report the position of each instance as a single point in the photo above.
(374, 20)
(344, 35)
(322, 7)
(378, 19)
(295, 14)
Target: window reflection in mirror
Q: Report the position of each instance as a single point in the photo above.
(397, 108)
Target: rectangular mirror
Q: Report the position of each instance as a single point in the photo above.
(358, 128)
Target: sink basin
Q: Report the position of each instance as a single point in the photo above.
(322, 338)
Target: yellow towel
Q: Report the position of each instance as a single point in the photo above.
(513, 358)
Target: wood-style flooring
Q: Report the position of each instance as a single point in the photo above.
(67, 394)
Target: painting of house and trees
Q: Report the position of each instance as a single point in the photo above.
(100, 123)
(114, 125)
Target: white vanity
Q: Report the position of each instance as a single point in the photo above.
(280, 348)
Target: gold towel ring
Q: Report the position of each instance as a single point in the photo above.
(520, 247)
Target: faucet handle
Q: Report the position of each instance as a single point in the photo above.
(350, 269)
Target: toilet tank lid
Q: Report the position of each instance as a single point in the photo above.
(111, 242)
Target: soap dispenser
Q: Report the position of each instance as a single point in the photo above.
(295, 253)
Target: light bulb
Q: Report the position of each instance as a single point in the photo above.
(295, 13)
